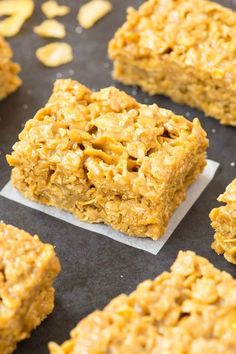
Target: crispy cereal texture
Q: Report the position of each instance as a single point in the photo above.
(92, 11)
(224, 222)
(183, 49)
(27, 270)
(9, 81)
(106, 158)
(191, 309)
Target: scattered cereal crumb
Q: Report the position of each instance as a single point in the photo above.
(93, 11)
(50, 29)
(122, 276)
(59, 75)
(18, 11)
(25, 106)
(29, 92)
(55, 54)
(232, 164)
(52, 9)
(188, 114)
(213, 131)
(78, 29)
(71, 72)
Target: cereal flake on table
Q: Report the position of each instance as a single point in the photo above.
(50, 29)
(52, 9)
(55, 54)
(92, 11)
(17, 12)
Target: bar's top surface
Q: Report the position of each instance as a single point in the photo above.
(23, 260)
(108, 136)
(199, 34)
(189, 309)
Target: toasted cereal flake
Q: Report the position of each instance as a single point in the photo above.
(51, 29)
(52, 9)
(18, 12)
(55, 54)
(93, 11)
(10, 26)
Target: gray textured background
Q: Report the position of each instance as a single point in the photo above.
(95, 268)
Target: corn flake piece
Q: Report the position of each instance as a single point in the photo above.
(18, 12)
(10, 26)
(51, 29)
(93, 11)
(55, 54)
(52, 9)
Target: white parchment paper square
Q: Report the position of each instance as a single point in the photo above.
(145, 244)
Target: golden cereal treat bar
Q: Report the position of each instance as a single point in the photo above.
(189, 309)
(183, 49)
(106, 158)
(27, 270)
(9, 81)
(224, 222)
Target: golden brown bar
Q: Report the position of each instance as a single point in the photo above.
(190, 309)
(224, 222)
(27, 270)
(9, 81)
(106, 158)
(183, 49)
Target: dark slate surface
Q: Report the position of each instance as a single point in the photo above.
(96, 268)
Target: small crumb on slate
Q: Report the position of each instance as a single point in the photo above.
(146, 100)
(71, 72)
(122, 276)
(29, 92)
(232, 164)
(213, 131)
(59, 75)
(79, 29)
(25, 106)
(188, 114)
